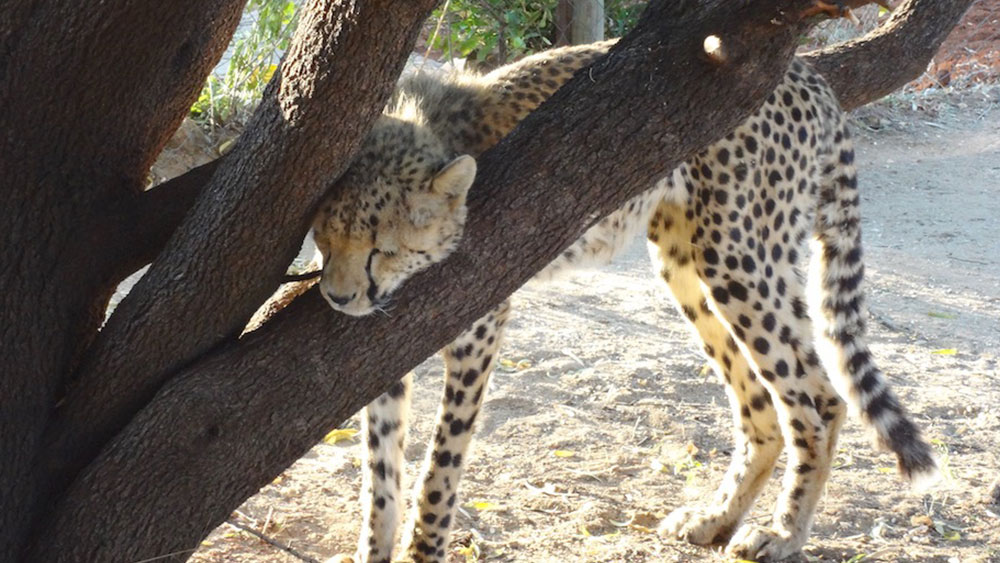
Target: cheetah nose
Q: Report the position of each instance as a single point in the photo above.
(340, 300)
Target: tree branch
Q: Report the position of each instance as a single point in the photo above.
(248, 222)
(230, 423)
(137, 229)
(865, 69)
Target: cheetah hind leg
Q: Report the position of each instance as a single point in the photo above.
(809, 412)
(758, 439)
(757, 445)
(469, 360)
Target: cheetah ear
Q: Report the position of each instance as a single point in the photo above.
(455, 179)
(447, 194)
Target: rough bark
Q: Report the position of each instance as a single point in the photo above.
(233, 421)
(137, 229)
(865, 69)
(69, 147)
(61, 57)
(232, 248)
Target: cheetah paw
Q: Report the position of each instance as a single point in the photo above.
(697, 526)
(758, 543)
(341, 558)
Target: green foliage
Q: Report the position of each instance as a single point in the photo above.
(495, 32)
(255, 56)
(620, 16)
(488, 32)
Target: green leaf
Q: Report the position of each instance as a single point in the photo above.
(468, 45)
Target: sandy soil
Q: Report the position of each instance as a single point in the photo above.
(601, 366)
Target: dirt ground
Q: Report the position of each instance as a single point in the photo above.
(602, 370)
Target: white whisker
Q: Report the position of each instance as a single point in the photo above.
(384, 307)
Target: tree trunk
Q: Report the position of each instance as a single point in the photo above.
(564, 17)
(68, 148)
(587, 21)
(579, 22)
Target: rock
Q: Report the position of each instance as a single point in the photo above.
(872, 121)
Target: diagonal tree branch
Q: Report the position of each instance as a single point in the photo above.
(247, 223)
(254, 406)
(900, 49)
(910, 39)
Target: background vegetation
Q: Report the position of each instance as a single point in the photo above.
(486, 32)
(234, 89)
(494, 32)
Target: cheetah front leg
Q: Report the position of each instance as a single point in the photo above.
(758, 439)
(384, 426)
(469, 360)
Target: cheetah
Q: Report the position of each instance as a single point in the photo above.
(727, 232)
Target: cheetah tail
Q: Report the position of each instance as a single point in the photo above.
(839, 311)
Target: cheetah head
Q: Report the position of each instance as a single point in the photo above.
(398, 209)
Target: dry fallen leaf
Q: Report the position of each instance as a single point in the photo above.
(482, 505)
(506, 364)
(340, 435)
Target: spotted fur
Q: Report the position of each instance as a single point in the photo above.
(728, 233)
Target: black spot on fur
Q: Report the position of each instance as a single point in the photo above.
(444, 458)
(720, 295)
(470, 377)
